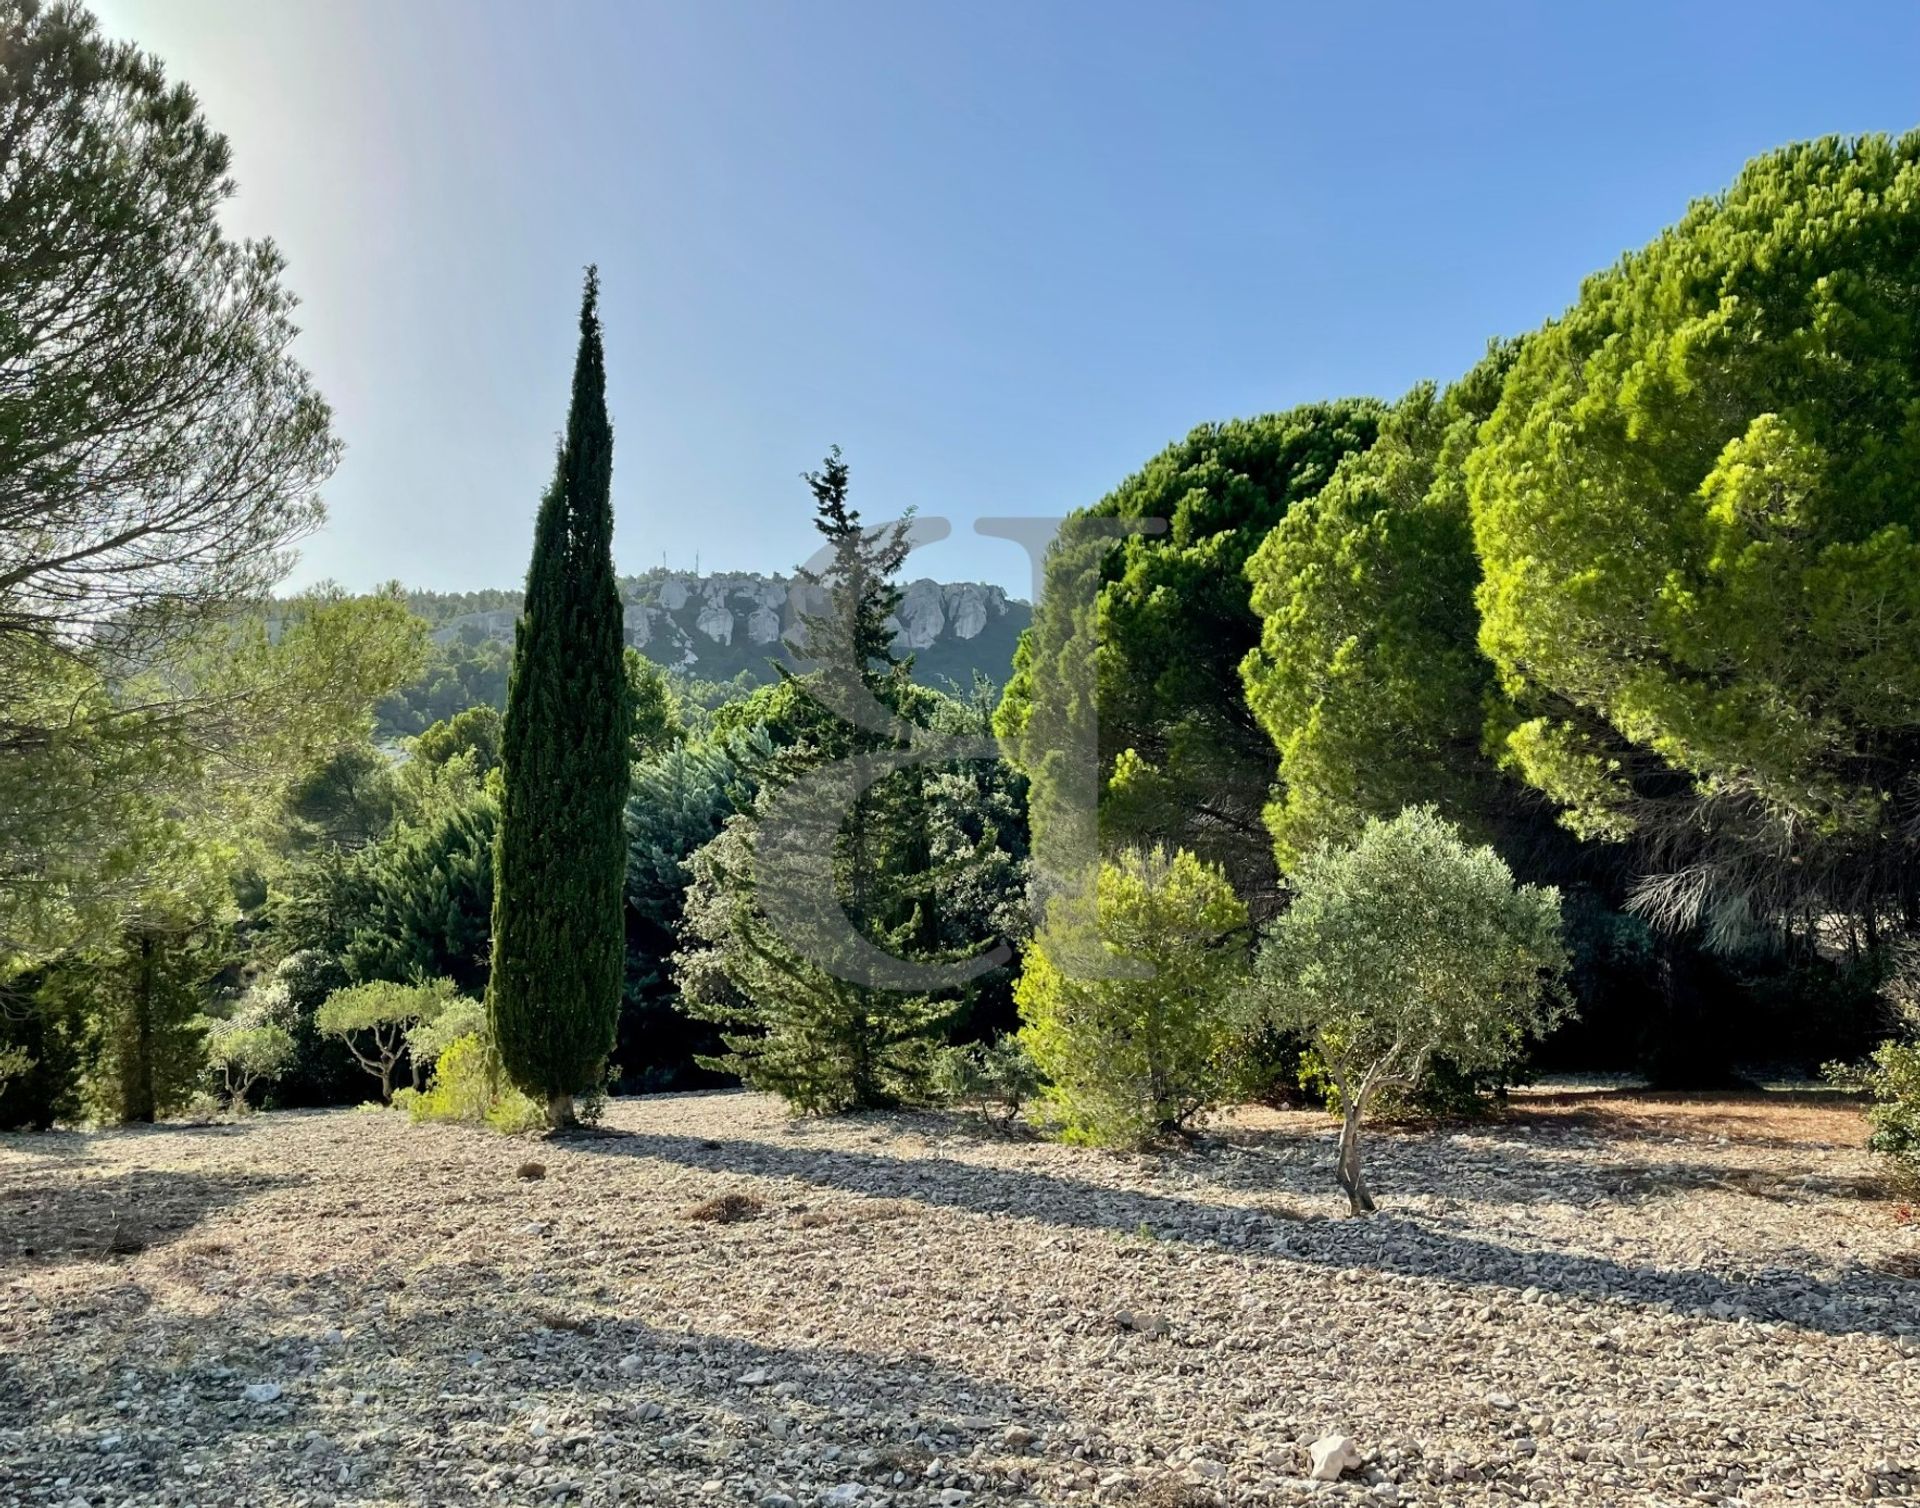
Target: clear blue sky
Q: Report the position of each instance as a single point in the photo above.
(999, 252)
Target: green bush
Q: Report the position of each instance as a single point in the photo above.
(1130, 1057)
(993, 1081)
(468, 1087)
(1892, 1077)
(245, 1051)
(460, 1017)
(376, 1021)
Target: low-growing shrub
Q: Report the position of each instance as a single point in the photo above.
(1264, 1066)
(461, 1016)
(726, 1209)
(376, 1021)
(992, 1080)
(468, 1086)
(245, 1051)
(1892, 1077)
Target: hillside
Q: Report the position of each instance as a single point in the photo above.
(717, 626)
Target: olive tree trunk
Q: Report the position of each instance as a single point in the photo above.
(1348, 1171)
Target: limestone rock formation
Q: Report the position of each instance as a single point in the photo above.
(720, 625)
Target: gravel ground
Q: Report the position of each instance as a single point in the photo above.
(1602, 1299)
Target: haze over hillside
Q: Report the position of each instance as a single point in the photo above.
(716, 626)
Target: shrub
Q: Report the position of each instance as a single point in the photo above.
(427, 1039)
(993, 1081)
(1136, 1054)
(1892, 1077)
(1261, 1065)
(1405, 947)
(469, 1087)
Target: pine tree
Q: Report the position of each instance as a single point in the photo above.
(559, 862)
(852, 644)
(804, 1026)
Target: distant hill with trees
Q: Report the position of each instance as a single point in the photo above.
(722, 627)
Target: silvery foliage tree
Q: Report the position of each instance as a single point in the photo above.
(255, 1043)
(1406, 945)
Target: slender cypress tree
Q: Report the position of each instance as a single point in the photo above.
(560, 858)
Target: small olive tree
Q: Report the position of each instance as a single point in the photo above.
(1130, 1046)
(246, 1053)
(376, 1020)
(1405, 945)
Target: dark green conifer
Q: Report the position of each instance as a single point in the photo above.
(558, 944)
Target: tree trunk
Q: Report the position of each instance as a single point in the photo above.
(1359, 1200)
(140, 1102)
(560, 1116)
(386, 1083)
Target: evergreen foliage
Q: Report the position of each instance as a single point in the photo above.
(681, 798)
(796, 1016)
(1698, 506)
(421, 901)
(553, 995)
(146, 992)
(375, 1020)
(1368, 677)
(48, 1037)
(1182, 761)
(245, 1053)
(822, 1043)
(1136, 1051)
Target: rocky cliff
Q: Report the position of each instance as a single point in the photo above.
(717, 626)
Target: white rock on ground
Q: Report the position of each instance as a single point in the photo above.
(933, 1310)
(1331, 1455)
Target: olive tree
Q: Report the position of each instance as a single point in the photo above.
(376, 1020)
(245, 1052)
(1406, 945)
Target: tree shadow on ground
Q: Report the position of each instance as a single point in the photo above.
(647, 1401)
(61, 1219)
(1399, 1244)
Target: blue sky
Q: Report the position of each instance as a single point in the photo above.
(1000, 253)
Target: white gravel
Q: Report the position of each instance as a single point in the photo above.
(340, 1308)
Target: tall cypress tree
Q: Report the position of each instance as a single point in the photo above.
(560, 858)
